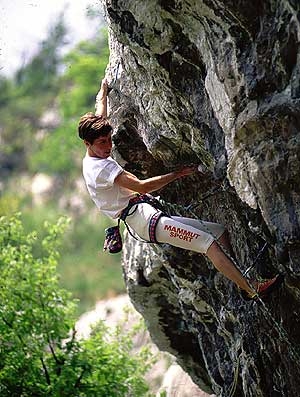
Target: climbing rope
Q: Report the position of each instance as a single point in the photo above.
(235, 377)
(260, 252)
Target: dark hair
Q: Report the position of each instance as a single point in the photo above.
(92, 127)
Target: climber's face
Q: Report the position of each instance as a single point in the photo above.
(101, 147)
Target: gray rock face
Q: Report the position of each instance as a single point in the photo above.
(215, 83)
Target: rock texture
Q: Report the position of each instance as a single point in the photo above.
(215, 82)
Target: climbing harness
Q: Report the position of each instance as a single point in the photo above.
(140, 199)
(113, 240)
(152, 226)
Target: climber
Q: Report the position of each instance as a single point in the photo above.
(118, 193)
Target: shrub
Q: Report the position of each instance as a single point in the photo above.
(39, 353)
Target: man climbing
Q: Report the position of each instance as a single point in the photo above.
(120, 194)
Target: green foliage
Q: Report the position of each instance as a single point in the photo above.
(70, 83)
(78, 87)
(85, 64)
(9, 204)
(85, 270)
(40, 74)
(26, 97)
(5, 90)
(39, 354)
(115, 371)
(34, 312)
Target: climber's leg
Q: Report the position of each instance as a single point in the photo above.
(226, 267)
(214, 229)
(178, 232)
(183, 235)
(225, 242)
(217, 230)
(181, 232)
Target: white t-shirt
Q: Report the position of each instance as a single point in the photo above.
(100, 175)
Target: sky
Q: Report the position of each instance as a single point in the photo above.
(25, 23)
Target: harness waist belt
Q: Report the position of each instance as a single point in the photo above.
(139, 199)
(145, 198)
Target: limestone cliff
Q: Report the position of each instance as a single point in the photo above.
(215, 82)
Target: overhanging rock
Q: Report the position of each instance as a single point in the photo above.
(215, 83)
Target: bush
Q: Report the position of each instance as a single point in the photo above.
(84, 269)
(40, 355)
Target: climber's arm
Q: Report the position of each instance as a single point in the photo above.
(101, 100)
(130, 181)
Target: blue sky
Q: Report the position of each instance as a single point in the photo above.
(24, 23)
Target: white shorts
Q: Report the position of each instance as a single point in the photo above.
(187, 233)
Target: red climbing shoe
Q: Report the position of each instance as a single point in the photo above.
(263, 288)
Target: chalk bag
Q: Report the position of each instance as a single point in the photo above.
(113, 240)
